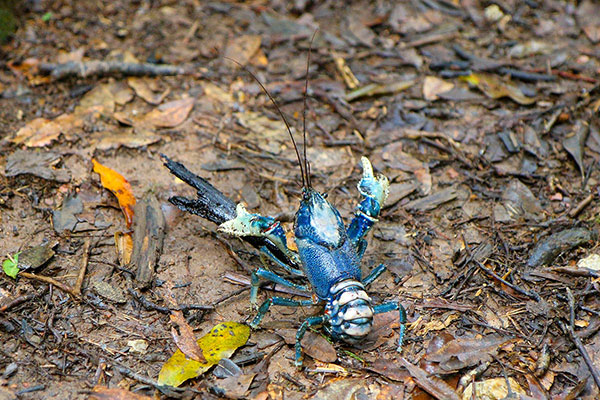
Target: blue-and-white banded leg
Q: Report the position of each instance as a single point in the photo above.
(270, 276)
(374, 191)
(374, 274)
(390, 306)
(277, 301)
(308, 322)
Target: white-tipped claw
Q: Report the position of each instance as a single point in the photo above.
(241, 225)
(371, 186)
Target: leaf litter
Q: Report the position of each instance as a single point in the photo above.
(506, 162)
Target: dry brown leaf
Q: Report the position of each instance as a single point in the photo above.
(142, 87)
(492, 389)
(100, 99)
(133, 140)
(184, 338)
(72, 56)
(37, 133)
(170, 114)
(433, 86)
(242, 48)
(431, 384)
(104, 393)
(314, 345)
(182, 332)
(123, 247)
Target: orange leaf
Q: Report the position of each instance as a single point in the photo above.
(119, 186)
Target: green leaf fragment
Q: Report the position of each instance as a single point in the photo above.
(217, 344)
(11, 266)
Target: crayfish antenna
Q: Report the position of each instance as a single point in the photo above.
(285, 121)
(306, 164)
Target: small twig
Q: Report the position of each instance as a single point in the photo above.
(229, 296)
(584, 203)
(51, 281)
(233, 255)
(19, 300)
(149, 305)
(166, 390)
(575, 339)
(83, 268)
(294, 381)
(529, 293)
(31, 389)
(104, 68)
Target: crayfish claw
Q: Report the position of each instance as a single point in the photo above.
(371, 186)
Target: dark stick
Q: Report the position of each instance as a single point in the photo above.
(575, 339)
(166, 390)
(104, 68)
(19, 300)
(147, 304)
(529, 293)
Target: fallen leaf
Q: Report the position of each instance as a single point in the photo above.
(29, 69)
(434, 200)
(433, 86)
(574, 144)
(465, 352)
(37, 163)
(100, 99)
(376, 89)
(123, 247)
(495, 88)
(170, 114)
(591, 262)
(138, 345)
(120, 187)
(110, 291)
(104, 393)
(182, 332)
(313, 344)
(234, 387)
(142, 87)
(65, 218)
(492, 389)
(242, 48)
(429, 383)
(347, 389)
(131, 139)
(183, 336)
(219, 343)
(38, 132)
(529, 48)
(389, 368)
(587, 17)
(10, 265)
(72, 56)
(36, 256)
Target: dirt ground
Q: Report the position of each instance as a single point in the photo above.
(483, 115)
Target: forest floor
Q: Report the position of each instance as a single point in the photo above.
(483, 115)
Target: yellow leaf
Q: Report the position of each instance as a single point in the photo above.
(217, 344)
(495, 88)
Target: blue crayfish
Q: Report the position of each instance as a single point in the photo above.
(329, 254)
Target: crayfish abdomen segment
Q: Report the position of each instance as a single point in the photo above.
(350, 312)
